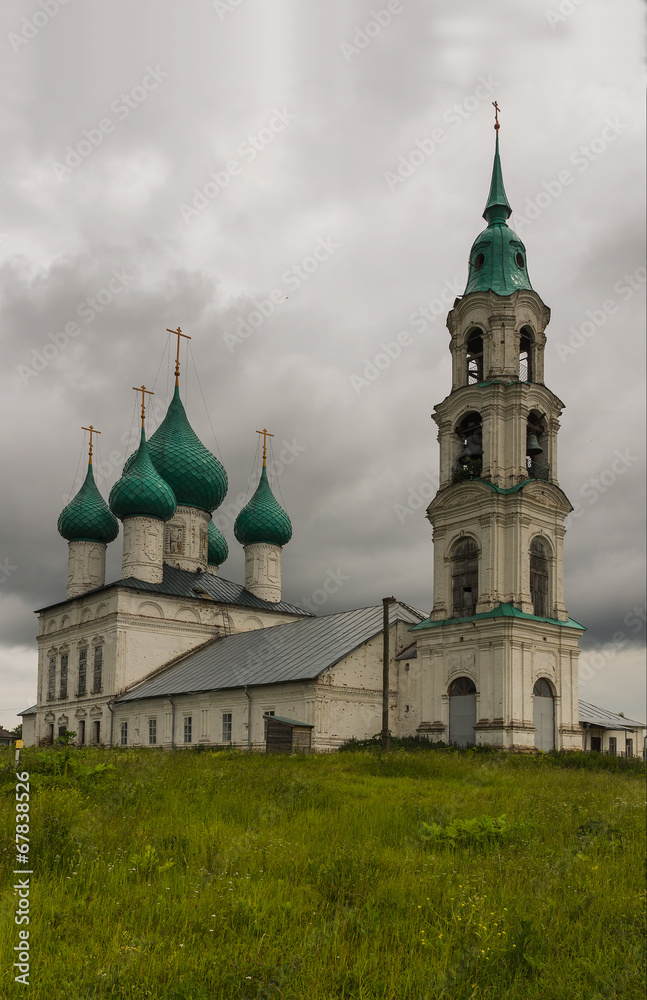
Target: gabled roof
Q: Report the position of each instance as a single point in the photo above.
(595, 716)
(29, 711)
(184, 583)
(296, 651)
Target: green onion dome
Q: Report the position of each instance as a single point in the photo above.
(87, 517)
(141, 491)
(218, 550)
(263, 519)
(195, 475)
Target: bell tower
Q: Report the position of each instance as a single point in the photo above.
(499, 651)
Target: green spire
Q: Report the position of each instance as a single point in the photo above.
(263, 519)
(497, 208)
(498, 257)
(141, 491)
(195, 475)
(218, 550)
(87, 517)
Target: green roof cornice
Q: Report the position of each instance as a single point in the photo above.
(194, 474)
(263, 519)
(141, 491)
(501, 611)
(497, 208)
(87, 517)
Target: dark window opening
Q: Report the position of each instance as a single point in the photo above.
(474, 357)
(96, 727)
(542, 688)
(81, 739)
(464, 578)
(51, 680)
(613, 745)
(62, 730)
(152, 731)
(596, 743)
(629, 748)
(98, 670)
(536, 465)
(470, 457)
(83, 671)
(63, 681)
(539, 578)
(525, 356)
(462, 685)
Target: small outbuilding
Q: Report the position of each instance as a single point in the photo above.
(287, 735)
(6, 739)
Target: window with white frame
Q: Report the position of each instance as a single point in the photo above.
(270, 712)
(124, 734)
(188, 724)
(226, 727)
(152, 731)
(613, 744)
(629, 748)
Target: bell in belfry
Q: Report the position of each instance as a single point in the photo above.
(473, 444)
(533, 448)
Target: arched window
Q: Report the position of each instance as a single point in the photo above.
(474, 354)
(525, 355)
(462, 712)
(465, 574)
(543, 715)
(536, 444)
(539, 577)
(469, 463)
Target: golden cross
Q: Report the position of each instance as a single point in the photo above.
(266, 434)
(92, 431)
(143, 390)
(495, 105)
(178, 333)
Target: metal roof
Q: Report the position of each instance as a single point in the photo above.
(29, 711)
(595, 716)
(295, 651)
(288, 722)
(184, 583)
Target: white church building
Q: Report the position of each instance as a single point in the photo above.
(173, 654)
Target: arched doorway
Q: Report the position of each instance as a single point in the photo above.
(462, 712)
(543, 712)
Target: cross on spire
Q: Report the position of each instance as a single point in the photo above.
(495, 105)
(143, 390)
(178, 333)
(266, 434)
(92, 431)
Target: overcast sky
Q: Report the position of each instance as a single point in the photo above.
(325, 163)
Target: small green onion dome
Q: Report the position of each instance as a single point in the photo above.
(87, 517)
(196, 476)
(263, 519)
(141, 491)
(498, 257)
(218, 550)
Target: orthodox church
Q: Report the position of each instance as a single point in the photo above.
(173, 654)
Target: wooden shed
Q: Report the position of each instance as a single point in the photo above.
(287, 735)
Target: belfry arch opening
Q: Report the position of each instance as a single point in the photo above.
(474, 356)
(526, 355)
(539, 577)
(537, 466)
(469, 447)
(465, 577)
(462, 712)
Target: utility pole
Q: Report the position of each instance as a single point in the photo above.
(386, 739)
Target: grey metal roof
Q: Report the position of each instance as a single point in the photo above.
(183, 583)
(293, 652)
(410, 653)
(606, 720)
(288, 722)
(29, 711)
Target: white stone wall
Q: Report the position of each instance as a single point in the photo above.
(263, 570)
(86, 567)
(143, 549)
(185, 539)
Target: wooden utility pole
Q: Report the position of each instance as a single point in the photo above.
(386, 739)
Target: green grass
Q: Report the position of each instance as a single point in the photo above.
(358, 875)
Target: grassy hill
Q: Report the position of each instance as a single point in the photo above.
(354, 875)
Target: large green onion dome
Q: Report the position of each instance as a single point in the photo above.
(498, 257)
(195, 475)
(87, 517)
(141, 491)
(263, 519)
(218, 550)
